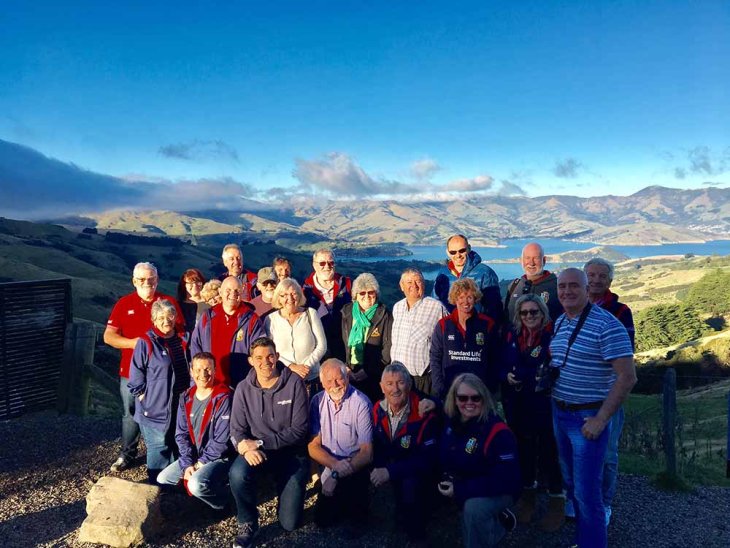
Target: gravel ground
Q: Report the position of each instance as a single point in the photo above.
(48, 463)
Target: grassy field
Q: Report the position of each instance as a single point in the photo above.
(700, 434)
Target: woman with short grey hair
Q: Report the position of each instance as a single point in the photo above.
(366, 327)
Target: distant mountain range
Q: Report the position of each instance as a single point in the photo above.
(654, 215)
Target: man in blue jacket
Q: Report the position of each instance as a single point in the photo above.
(269, 426)
(465, 263)
(202, 435)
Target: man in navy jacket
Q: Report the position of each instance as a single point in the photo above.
(269, 427)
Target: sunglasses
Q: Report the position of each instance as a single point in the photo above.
(326, 263)
(459, 251)
(474, 398)
(368, 293)
(532, 312)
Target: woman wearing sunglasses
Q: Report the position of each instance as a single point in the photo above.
(366, 326)
(526, 403)
(478, 457)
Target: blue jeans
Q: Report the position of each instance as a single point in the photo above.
(130, 429)
(610, 466)
(480, 522)
(290, 473)
(209, 483)
(161, 450)
(581, 461)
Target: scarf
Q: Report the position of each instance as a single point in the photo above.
(361, 322)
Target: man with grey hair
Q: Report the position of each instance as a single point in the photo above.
(342, 444)
(536, 281)
(592, 353)
(600, 275)
(233, 261)
(130, 319)
(414, 319)
(327, 292)
(405, 430)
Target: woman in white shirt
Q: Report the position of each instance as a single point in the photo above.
(297, 331)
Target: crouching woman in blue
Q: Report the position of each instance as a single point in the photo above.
(157, 376)
(202, 435)
(478, 455)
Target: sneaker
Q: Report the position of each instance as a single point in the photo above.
(569, 509)
(508, 520)
(120, 464)
(246, 532)
(608, 515)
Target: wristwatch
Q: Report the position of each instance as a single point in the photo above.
(335, 475)
(259, 444)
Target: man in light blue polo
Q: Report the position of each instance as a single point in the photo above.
(342, 443)
(592, 353)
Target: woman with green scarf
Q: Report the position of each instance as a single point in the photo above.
(366, 326)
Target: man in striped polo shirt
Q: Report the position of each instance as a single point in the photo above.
(592, 353)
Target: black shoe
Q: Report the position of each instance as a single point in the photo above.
(246, 533)
(121, 464)
(508, 520)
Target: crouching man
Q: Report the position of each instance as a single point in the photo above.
(405, 451)
(202, 435)
(269, 426)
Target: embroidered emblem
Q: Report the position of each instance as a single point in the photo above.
(375, 333)
(536, 351)
(480, 339)
(239, 335)
(471, 445)
(405, 442)
(545, 296)
(130, 312)
(451, 337)
(283, 402)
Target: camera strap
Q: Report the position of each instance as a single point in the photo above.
(576, 331)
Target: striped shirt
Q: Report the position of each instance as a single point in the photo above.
(412, 331)
(587, 375)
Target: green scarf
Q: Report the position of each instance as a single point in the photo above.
(361, 322)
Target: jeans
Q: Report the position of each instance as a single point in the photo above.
(161, 451)
(209, 483)
(130, 429)
(610, 466)
(581, 461)
(290, 473)
(480, 522)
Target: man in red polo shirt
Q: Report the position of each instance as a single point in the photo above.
(233, 261)
(227, 331)
(131, 318)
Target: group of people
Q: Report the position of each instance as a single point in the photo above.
(256, 372)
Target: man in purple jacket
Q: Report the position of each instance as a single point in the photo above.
(269, 425)
(202, 435)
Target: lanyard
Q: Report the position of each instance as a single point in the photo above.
(574, 334)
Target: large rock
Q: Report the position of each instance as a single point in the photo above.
(121, 513)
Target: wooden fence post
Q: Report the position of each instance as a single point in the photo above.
(67, 367)
(669, 398)
(83, 360)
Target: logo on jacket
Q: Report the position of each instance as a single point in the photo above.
(451, 337)
(283, 402)
(480, 339)
(545, 296)
(239, 335)
(471, 446)
(536, 351)
(405, 442)
(375, 333)
(130, 312)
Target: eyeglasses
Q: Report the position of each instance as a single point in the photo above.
(146, 281)
(326, 263)
(458, 251)
(474, 398)
(532, 312)
(368, 293)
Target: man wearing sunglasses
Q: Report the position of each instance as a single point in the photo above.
(327, 292)
(465, 263)
(535, 281)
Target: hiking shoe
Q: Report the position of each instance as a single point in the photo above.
(246, 532)
(569, 509)
(508, 520)
(120, 465)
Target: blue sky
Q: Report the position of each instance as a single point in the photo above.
(374, 98)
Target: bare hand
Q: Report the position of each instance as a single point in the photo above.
(343, 468)
(379, 476)
(188, 472)
(592, 428)
(446, 488)
(300, 369)
(512, 380)
(254, 458)
(425, 406)
(246, 445)
(328, 485)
